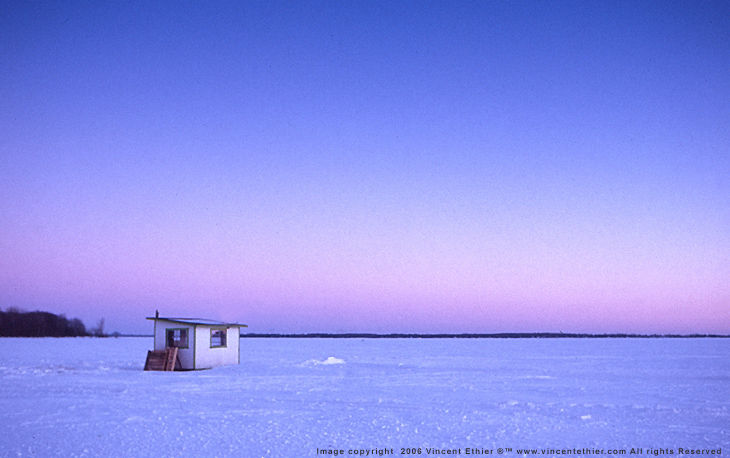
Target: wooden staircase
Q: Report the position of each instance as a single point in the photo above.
(162, 360)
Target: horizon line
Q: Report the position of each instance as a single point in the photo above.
(472, 335)
(465, 335)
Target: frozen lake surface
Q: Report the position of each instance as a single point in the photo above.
(290, 397)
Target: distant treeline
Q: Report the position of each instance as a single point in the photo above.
(17, 323)
(504, 335)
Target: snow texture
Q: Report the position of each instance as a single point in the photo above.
(289, 397)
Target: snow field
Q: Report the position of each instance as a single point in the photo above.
(290, 397)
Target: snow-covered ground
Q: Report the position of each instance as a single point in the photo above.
(290, 397)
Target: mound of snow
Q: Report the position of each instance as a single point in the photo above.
(327, 362)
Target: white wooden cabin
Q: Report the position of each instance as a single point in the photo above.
(201, 343)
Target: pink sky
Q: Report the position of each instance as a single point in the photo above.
(369, 167)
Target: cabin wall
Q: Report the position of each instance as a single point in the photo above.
(186, 355)
(206, 357)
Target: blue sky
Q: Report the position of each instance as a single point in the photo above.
(369, 166)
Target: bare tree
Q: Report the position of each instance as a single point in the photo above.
(98, 331)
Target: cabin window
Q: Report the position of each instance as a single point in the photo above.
(217, 338)
(177, 337)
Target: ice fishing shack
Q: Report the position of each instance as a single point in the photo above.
(193, 343)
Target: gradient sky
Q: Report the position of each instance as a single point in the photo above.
(368, 166)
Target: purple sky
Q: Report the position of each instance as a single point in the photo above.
(368, 166)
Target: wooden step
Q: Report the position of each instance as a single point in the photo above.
(162, 360)
(155, 361)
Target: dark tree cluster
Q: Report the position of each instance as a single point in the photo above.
(15, 323)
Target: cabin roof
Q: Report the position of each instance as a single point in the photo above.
(197, 321)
